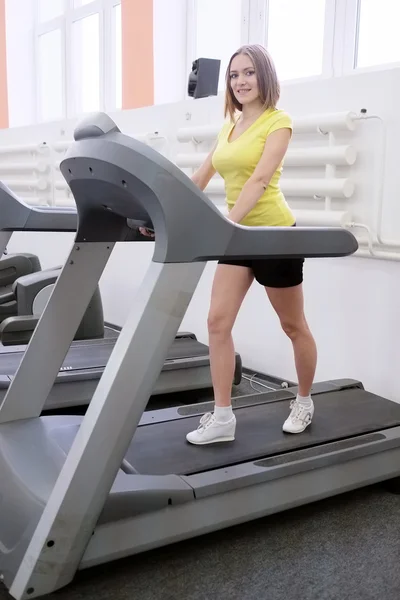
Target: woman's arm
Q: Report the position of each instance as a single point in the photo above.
(274, 152)
(205, 172)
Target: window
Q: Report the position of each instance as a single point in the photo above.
(118, 55)
(378, 35)
(218, 31)
(50, 76)
(86, 64)
(50, 9)
(295, 37)
(79, 56)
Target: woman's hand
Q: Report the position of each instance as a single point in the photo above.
(146, 232)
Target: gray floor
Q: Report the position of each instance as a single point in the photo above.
(344, 548)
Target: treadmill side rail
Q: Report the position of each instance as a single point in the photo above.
(220, 481)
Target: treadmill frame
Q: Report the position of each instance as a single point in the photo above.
(66, 528)
(238, 494)
(178, 506)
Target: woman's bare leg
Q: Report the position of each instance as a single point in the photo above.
(230, 286)
(289, 306)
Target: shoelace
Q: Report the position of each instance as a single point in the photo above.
(297, 410)
(295, 407)
(205, 419)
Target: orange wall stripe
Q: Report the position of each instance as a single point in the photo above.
(137, 53)
(3, 68)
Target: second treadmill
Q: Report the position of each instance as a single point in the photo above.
(186, 368)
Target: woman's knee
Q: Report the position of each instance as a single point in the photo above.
(294, 328)
(218, 324)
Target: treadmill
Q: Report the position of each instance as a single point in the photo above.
(120, 481)
(186, 366)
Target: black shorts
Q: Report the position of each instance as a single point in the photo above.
(272, 272)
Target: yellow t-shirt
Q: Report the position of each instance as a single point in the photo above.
(235, 161)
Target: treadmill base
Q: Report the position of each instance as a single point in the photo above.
(156, 500)
(117, 540)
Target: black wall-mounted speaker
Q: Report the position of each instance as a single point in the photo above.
(203, 80)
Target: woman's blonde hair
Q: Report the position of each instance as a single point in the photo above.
(267, 79)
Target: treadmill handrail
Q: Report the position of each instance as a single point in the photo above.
(17, 215)
(114, 177)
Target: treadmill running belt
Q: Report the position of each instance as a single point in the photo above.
(77, 358)
(95, 356)
(187, 348)
(161, 448)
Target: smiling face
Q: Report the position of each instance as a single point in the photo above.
(251, 79)
(243, 79)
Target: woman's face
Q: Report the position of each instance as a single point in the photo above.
(243, 79)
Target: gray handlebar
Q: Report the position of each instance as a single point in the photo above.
(94, 126)
(114, 177)
(16, 215)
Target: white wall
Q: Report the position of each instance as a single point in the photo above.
(20, 62)
(378, 92)
(352, 304)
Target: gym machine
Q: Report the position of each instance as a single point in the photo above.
(119, 481)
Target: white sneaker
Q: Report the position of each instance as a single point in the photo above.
(299, 418)
(210, 431)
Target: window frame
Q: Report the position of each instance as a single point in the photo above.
(327, 68)
(351, 44)
(255, 31)
(81, 14)
(350, 36)
(65, 22)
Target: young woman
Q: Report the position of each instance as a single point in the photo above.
(248, 154)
